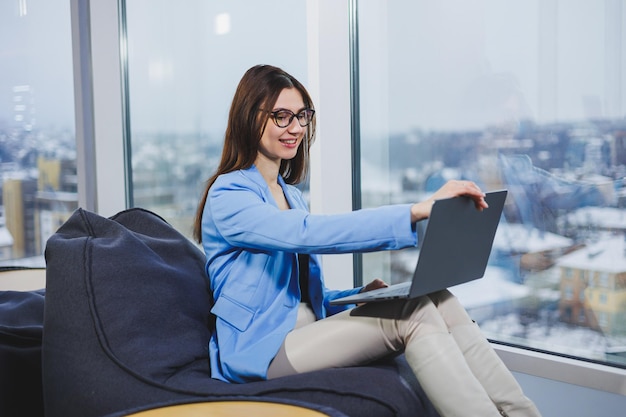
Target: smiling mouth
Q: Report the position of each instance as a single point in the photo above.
(289, 141)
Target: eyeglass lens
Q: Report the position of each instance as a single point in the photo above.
(283, 118)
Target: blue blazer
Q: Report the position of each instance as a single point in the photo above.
(251, 248)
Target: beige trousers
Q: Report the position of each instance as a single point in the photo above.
(364, 334)
(445, 349)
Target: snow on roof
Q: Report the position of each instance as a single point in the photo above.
(603, 217)
(607, 255)
(491, 289)
(517, 237)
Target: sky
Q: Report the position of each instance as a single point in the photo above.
(429, 65)
(36, 50)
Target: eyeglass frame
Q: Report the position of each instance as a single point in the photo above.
(275, 112)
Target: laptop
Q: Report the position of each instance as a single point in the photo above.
(455, 249)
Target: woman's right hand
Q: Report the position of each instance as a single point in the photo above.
(374, 285)
(452, 188)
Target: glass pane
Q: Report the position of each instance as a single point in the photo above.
(37, 133)
(185, 59)
(524, 95)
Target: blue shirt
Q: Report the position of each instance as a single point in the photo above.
(251, 248)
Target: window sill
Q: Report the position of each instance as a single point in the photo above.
(572, 371)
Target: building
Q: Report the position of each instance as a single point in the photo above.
(18, 197)
(56, 197)
(593, 286)
(24, 113)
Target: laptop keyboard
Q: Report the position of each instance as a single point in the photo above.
(392, 291)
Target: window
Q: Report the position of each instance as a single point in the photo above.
(185, 59)
(603, 280)
(585, 275)
(37, 140)
(603, 298)
(524, 95)
(582, 317)
(568, 293)
(433, 105)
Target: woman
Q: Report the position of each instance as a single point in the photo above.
(253, 223)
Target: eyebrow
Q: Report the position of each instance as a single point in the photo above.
(284, 109)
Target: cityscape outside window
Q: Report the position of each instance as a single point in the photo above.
(523, 95)
(185, 59)
(37, 133)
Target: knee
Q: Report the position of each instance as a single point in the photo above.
(450, 308)
(441, 297)
(422, 309)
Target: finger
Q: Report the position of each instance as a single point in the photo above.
(481, 205)
(472, 190)
(471, 186)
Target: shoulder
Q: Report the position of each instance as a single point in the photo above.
(239, 175)
(242, 178)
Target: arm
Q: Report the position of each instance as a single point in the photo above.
(245, 219)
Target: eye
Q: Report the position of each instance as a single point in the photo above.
(306, 115)
(282, 116)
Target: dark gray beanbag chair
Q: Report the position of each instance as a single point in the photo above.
(127, 325)
(21, 323)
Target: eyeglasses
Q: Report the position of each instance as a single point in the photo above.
(284, 117)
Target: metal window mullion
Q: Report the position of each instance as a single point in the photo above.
(355, 127)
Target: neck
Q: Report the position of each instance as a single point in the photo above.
(268, 169)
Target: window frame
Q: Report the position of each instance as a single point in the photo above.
(97, 51)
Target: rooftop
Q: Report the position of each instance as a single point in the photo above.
(607, 255)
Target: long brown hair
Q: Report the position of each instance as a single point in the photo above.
(258, 89)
